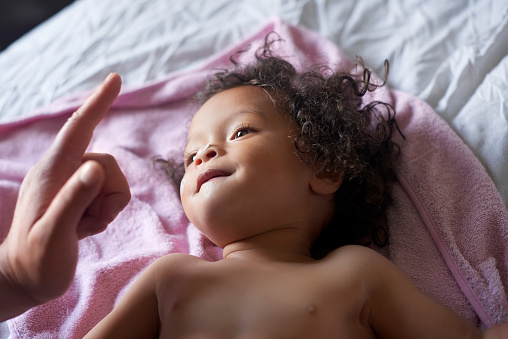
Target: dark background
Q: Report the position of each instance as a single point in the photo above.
(17, 17)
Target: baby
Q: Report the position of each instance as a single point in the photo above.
(278, 168)
(286, 171)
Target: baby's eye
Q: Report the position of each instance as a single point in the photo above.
(189, 159)
(242, 131)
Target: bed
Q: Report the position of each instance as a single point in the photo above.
(453, 55)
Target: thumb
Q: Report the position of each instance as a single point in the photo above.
(66, 211)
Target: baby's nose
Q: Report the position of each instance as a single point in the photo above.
(208, 153)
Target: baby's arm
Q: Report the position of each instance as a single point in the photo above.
(398, 309)
(137, 313)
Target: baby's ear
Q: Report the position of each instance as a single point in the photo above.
(326, 183)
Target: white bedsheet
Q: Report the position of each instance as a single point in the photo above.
(452, 54)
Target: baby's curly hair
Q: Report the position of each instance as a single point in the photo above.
(339, 136)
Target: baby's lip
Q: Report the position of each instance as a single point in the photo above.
(209, 174)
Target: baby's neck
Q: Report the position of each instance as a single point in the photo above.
(284, 245)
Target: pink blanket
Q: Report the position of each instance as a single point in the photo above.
(448, 225)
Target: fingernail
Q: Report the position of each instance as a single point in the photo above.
(110, 75)
(107, 78)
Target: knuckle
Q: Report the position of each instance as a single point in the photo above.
(103, 158)
(108, 158)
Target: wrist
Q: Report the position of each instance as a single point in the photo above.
(15, 300)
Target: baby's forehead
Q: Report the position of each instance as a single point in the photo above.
(248, 95)
(238, 100)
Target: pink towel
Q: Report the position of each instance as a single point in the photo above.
(448, 224)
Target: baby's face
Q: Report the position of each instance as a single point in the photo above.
(242, 174)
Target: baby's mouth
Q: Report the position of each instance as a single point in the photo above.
(208, 175)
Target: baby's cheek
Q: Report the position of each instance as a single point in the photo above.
(182, 186)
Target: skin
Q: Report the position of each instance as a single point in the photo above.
(265, 211)
(66, 196)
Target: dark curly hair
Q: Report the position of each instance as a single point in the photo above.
(340, 137)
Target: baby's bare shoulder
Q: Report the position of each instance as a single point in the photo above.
(177, 262)
(357, 262)
(355, 254)
(175, 266)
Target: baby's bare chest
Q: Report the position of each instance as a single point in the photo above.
(266, 304)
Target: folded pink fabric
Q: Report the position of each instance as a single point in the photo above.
(448, 225)
(458, 208)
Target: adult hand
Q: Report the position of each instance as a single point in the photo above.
(66, 196)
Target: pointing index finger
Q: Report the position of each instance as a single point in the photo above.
(75, 135)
